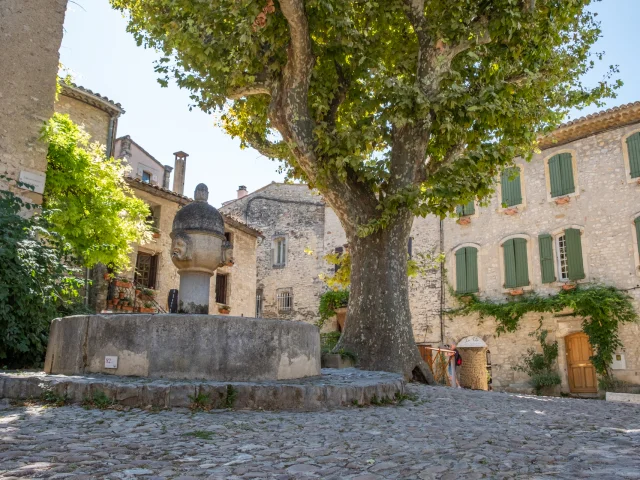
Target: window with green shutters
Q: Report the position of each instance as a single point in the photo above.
(568, 256)
(510, 187)
(466, 210)
(516, 270)
(467, 270)
(633, 150)
(561, 175)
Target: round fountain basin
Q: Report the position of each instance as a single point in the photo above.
(207, 347)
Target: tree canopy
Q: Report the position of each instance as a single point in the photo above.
(89, 201)
(329, 86)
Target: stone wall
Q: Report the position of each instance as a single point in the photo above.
(298, 214)
(30, 36)
(604, 206)
(241, 280)
(93, 120)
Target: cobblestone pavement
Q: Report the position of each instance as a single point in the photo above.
(444, 433)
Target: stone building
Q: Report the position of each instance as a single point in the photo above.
(150, 181)
(27, 86)
(576, 204)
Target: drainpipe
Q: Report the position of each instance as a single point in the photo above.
(442, 281)
(110, 132)
(86, 286)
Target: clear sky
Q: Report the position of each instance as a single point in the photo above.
(104, 58)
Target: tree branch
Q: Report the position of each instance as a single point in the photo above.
(256, 89)
(344, 83)
(266, 147)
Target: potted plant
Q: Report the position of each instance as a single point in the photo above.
(121, 295)
(148, 308)
(123, 282)
(224, 309)
(147, 294)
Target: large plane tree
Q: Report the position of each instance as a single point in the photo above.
(390, 108)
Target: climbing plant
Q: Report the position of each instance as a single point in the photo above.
(602, 309)
(329, 302)
(91, 205)
(541, 367)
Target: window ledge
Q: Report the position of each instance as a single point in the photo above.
(279, 266)
(511, 211)
(517, 291)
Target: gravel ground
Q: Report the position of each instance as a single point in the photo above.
(443, 433)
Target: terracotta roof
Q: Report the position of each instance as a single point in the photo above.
(588, 125)
(92, 98)
(184, 200)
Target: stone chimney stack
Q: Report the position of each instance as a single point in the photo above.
(242, 191)
(181, 168)
(167, 176)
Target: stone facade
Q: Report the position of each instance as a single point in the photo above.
(27, 83)
(98, 115)
(603, 208)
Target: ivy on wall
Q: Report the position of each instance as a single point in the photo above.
(602, 309)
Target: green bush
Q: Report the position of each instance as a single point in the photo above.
(329, 301)
(541, 367)
(36, 282)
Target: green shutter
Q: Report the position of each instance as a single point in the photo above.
(509, 264)
(555, 177)
(472, 269)
(561, 175)
(574, 254)
(459, 210)
(461, 271)
(545, 242)
(637, 222)
(522, 267)
(633, 149)
(510, 183)
(466, 210)
(566, 167)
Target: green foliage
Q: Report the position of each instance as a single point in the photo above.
(341, 279)
(328, 341)
(601, 308)
(98, 399)
(230, 399)
(36, 282)
(541, 367)
(201, 434)
(329, 301)
(92, 205)
(201, 401)
(481, 80)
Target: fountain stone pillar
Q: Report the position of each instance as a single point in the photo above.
(198, 248)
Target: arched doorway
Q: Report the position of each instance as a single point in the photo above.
(582, 374)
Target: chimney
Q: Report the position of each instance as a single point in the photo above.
(242, 191)
(178, 176)
(166, 177)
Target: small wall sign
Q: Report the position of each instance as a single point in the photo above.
(110, 362)
(35, 179)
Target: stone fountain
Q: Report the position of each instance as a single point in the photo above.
(191, 344)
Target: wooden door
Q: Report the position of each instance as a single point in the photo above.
(582, 375)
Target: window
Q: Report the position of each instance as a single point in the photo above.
(466, 210)
(285, 300)
(633, 150)
(510, 187)
(467, 270)
(154, 218)
(146, 176)
(568, 256)
(221, 288)
(516, 270)
(259, 297)
(279, 252)
(561, 175)
(228, 236)
(146, 270)
(410, 248)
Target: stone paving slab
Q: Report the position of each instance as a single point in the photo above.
(334, 388)
(442, 434)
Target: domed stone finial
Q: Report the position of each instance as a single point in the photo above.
(202, 193)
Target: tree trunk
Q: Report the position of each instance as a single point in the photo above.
(378, 328)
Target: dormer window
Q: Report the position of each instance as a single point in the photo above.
(146, 176)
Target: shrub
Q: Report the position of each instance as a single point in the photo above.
(541, 366)
(36, 282)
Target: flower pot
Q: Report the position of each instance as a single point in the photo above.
(121, 284)
(147, 310)
(137, 292)
(127, 309)
(464, 220)
(156, 235)
(107, 276)
(568, 286)
(224, 311)
(516, 291)
(562, 200)
(121, 295)
(511, 211)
